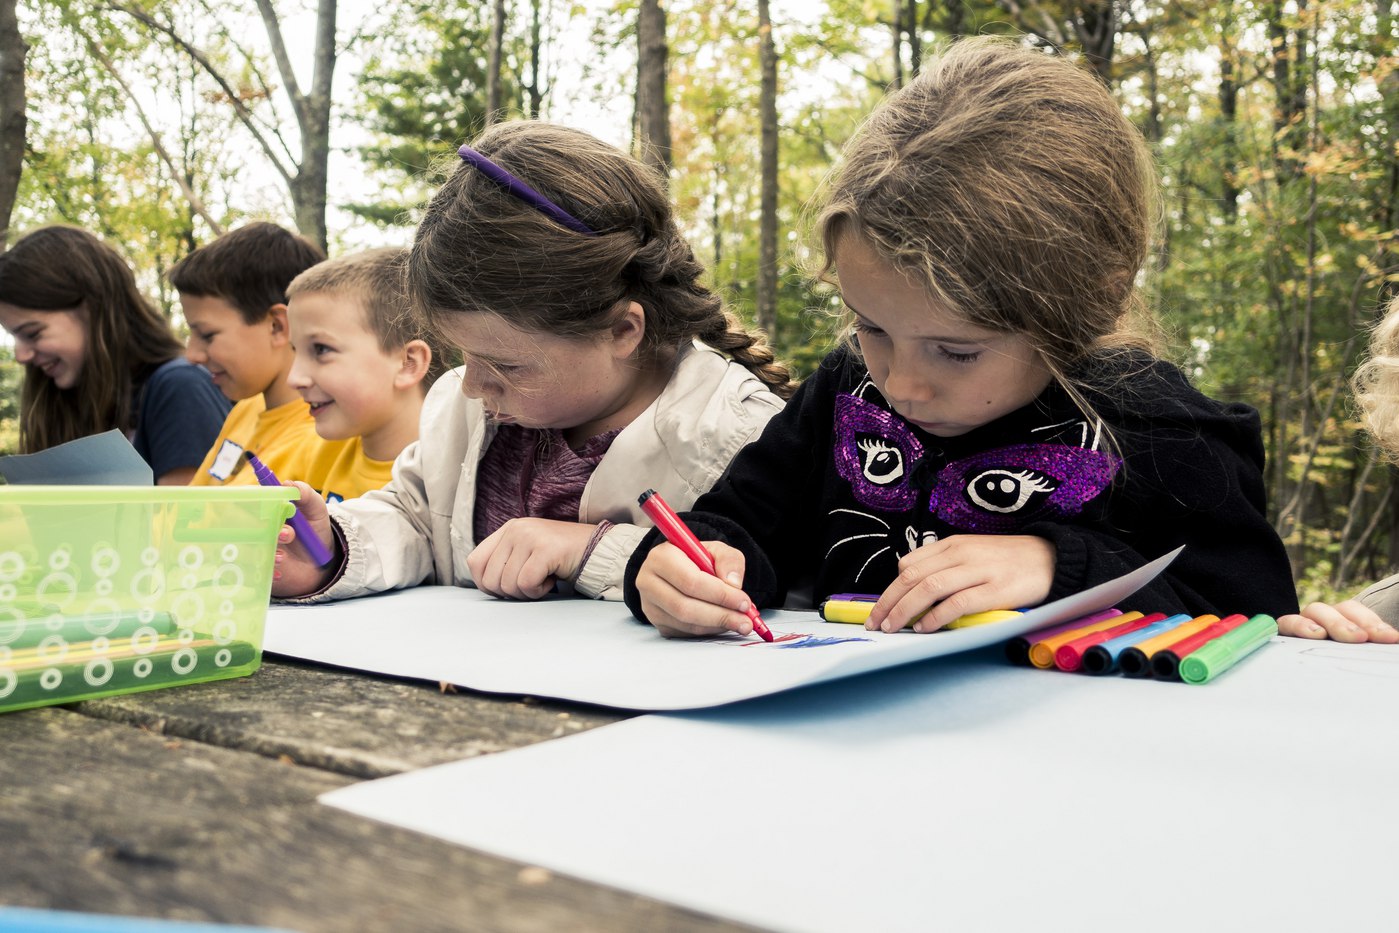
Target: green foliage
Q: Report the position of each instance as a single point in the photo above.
(11, 375)
(423, 94)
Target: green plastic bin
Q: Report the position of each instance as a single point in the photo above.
(117, 589)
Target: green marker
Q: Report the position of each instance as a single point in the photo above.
(99, 676)
(1214, 658)
(32, 632)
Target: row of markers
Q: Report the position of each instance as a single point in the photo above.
(1180, 647)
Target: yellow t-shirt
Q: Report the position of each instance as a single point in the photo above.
(353, 474)
(284, 438)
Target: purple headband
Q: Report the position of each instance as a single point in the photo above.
(522, 191)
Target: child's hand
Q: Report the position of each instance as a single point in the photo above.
(1352, 622)
(682, 600)
(964, 574)
(522, 558)
(296, 574)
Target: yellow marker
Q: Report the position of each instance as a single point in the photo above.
(982, 618)
(855, 608)
(1042, 652)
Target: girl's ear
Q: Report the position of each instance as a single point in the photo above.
(628, 331)
(280, 324)
(415, 359)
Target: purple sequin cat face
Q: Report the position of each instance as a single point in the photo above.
(997, 491)
(875, 452)
(1003, 489)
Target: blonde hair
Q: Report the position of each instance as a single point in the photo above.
(481, 250)
(377, 280)
(1376, 383)
(1008, 183)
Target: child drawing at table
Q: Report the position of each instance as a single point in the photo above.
(596, 364)
(997, 434)
(1373, 615)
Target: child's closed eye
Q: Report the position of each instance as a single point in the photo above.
(959, 357)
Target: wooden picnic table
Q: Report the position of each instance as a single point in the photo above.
(199, 804)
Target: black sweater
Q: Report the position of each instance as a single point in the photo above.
(839, 487)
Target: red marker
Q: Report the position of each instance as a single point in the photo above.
(679, 534)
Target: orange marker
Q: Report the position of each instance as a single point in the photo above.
(1042, 652)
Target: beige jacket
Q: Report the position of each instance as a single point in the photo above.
(418, 528)
(1383, 597)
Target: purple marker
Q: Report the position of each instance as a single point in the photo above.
(304, 532)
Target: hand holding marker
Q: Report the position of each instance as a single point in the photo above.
(680, 535)
(304, 532)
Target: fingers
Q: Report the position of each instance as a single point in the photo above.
(681, 600)
(907, 602)
(1302, 626)
(310, 503)
(1350, 622)
(510, 569)
(961, 575)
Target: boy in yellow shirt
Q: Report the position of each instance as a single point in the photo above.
(233, 292)
(363, 362)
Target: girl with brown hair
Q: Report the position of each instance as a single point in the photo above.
(596, 365)
(98, 355)
(998, 433)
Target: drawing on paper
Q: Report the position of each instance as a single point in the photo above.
(786, 640)
(1371, 660)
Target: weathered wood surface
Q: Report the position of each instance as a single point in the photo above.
(348, 722)
(199, 803)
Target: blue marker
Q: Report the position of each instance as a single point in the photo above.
(1102, 658)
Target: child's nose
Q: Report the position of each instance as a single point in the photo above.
(476, 382)
(907, 381)
(195, 353)
(24, 350)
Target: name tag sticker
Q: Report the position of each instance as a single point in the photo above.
(230, 454)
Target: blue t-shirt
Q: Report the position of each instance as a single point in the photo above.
(179, 413)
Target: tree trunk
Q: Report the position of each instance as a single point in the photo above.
(536, 93)
(1095, 24)
(896, 30)
(767, 201)
(956, 20)
(652, 109)
(493, 95)
(13, 122)
(915, 38)
(1229, 115)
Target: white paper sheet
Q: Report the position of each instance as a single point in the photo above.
(964, 794)
(594, 652)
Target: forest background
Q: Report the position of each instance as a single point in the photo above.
(160, 123)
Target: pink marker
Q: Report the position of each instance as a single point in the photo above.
(304, 532)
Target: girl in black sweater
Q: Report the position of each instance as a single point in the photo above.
(999, 433)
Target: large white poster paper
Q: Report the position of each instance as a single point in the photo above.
(594, 652)
(964, 794)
